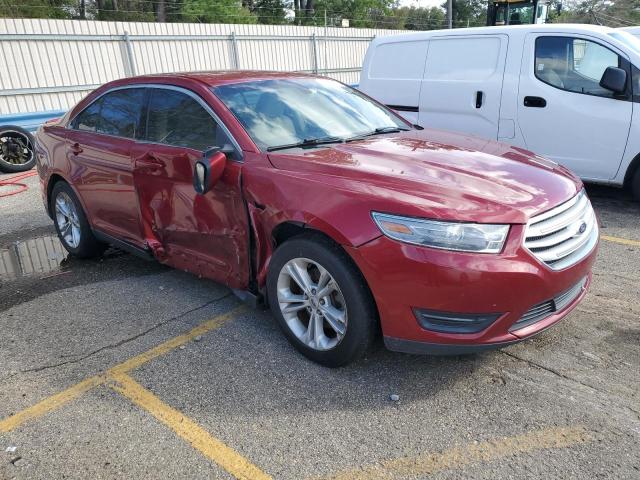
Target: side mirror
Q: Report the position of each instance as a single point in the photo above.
(209, 170)
(614, 79)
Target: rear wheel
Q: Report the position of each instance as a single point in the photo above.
(16, 149)
(321, 300)
(71, 223)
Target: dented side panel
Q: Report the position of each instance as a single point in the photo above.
(203, 234)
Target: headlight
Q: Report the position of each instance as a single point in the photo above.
(464, 237)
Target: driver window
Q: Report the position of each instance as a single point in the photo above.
(175, 118)
(573, 64)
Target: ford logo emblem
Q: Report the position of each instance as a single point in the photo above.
(582, 228)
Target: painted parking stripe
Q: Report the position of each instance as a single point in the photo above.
(187, 429)
(459, 456)
(622, 241)
(49, 404)
(60, 399)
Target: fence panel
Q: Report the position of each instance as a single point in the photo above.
(54, 63)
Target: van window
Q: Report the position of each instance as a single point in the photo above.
(573, 64)
(468, 59)
(404, 60)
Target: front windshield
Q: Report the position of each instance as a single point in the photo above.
(288, 111)
(628, 39)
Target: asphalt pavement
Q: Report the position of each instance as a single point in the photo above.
(122, 368)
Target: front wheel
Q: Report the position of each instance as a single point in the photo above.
(321, 300)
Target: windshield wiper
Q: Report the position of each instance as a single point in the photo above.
(377, 131)
(308, 142)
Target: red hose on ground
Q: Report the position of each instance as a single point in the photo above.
(14, 182)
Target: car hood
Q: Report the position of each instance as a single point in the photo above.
(439, 174)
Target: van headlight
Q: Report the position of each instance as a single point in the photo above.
(463, 237)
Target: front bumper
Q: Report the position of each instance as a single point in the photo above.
(405, 277)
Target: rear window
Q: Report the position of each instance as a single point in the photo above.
(120, 113)
(87, 120)
(403, 60)
(116, 113)
(468, 59)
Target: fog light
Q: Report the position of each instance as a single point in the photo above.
(446, 322)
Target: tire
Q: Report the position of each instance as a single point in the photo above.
(346, 296)
(17, 152)
(71, 223)
(635, 185)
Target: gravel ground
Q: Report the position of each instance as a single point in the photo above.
(563, 405)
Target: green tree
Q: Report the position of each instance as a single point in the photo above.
(468, 12)
(269, 12)
(39, 8)
(422, 18)
(220, 11)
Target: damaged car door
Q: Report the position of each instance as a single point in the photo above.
(203, 233)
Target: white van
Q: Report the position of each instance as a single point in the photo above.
(568, 92)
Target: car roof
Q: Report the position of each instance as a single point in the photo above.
(520, 29)
(220, 77)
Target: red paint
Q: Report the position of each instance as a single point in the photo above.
(143, 193)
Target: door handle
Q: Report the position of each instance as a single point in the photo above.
(479, 96)
(535, 102)
(149, 160)
(76, 149)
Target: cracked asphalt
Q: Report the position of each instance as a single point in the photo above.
(168, 392)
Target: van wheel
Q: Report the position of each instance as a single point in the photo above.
(71, 223)
(321, 300)
(635, 185)
(16, 149)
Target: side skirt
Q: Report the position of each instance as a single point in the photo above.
(122, 245)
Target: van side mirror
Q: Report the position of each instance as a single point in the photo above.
(614, 79)
(209, 169)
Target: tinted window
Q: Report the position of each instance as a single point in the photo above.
(88, 118)
(573, 64)
(175, 118)
(120, 112)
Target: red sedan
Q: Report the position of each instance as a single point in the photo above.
(306, 194)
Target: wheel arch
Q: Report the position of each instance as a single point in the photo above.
(631, 170)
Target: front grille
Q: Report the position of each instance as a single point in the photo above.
(564, 235)
(545, 309)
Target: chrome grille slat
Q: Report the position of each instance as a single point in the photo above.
(554, 237)
(554, 223)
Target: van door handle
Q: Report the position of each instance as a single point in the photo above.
(76, 149)
(535, 102)
(479, 96)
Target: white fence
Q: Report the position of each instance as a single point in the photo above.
(52, 64)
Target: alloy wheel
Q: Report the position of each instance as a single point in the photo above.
(15, 148)
(312, 304)
(67, 220)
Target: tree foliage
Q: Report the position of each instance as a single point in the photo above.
(359, 13)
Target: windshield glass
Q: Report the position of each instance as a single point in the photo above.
(629, 40)
(294, 110)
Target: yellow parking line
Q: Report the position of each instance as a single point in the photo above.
(175, 342)
(58, 400)
(623, 241)
(187, 429)
(456, 457)
(49, 404)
